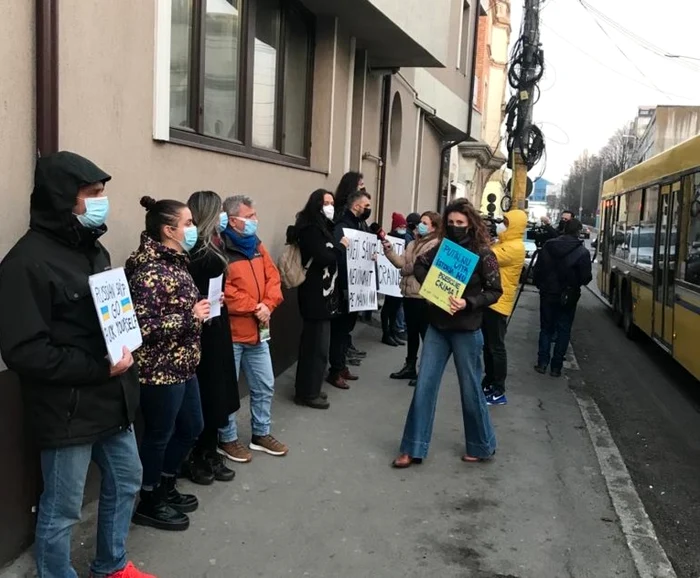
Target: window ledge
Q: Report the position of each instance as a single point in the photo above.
(221, 149)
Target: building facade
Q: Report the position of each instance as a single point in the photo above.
(272, 98)
(657, 129)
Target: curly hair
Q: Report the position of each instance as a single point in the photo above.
(479, 237)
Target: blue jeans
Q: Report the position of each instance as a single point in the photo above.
(257, 366)
(172, 417)
(555, 327)
(64, 472)
(465, 347)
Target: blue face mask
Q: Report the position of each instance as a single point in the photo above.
(250, 228)
(96, 211)
(422, 229)
(223, 222)
(190, 239)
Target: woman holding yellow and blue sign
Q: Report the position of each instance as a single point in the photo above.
(460, 279)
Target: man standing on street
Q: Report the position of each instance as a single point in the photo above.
(253, 290)
(355, 217)
(563, 267)
(78, 406)
(510, 254)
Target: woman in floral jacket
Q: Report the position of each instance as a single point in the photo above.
(170, 314)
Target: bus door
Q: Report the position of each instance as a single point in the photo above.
(605, 236)
(665, 263)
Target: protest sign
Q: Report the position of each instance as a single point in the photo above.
(389, 276)
(214, 296)
(362, 283)
(115, 311)
(449, 274)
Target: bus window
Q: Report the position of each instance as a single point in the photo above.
(647, 228)
(620, 248)
(692, 261)
(634, 232)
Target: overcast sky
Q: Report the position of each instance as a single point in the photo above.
(590, 88)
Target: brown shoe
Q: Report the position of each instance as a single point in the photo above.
(235, 451)
(345, 374)
(405, 461)
(269, 445)
(337, 381)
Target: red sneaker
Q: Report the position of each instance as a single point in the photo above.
(129, 571)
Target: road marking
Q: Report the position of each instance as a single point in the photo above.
(648, 554)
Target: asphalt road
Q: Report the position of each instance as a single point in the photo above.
(652, 407)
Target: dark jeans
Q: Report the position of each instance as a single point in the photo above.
(313, 357)
(172, 416)
(416, 312)
(389, 312)
(341, 327)
(494, 327)
(555, 327)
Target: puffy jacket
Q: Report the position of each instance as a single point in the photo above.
(249, 282)
(49, 330)
(510, 253)
(409, 284)
(164, 297)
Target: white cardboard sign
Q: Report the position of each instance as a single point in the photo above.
(362, 282)
(388, 275)
(115, 311)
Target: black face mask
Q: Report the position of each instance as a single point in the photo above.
(365, 214)
(457, 234)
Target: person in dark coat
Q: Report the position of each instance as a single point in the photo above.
(216, 372)
(392, 305)
(563, 267)
(354, 217)
(319, 295)
(79, 407)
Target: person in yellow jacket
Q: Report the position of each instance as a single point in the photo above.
(510, 252)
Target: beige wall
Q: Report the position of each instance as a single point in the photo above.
(430, 169)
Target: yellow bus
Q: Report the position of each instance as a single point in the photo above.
(650, 251)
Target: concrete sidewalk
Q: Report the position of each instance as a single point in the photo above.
(334, 507)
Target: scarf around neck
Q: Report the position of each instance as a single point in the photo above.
(246, 245)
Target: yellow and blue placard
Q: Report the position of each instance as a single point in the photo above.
(449, 274)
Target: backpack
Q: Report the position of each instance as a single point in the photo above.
(292, 270)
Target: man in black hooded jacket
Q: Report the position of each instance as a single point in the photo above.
(563, 267)
(78, 406)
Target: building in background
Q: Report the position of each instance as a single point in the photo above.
(480, 161)
(270, 98)
(657, 129)
(537, 201)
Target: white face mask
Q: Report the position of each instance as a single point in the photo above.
(501, 228)
(329, 211)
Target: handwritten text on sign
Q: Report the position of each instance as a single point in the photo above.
(449, 274)
(362, 284)
(115, 311)
(388, 275)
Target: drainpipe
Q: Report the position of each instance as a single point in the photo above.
(384, 144)
(444, 175)
(46, 77)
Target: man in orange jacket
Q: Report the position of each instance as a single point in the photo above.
(252, 292)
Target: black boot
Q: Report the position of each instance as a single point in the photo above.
(397, 338)
(218, 468)
(181, 502)
(155, 512)
(387, 339)
(412, 383)
(197, 469)
(408, 371)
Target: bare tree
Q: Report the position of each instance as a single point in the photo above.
(617, 153)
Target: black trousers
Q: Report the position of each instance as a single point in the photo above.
(341, 328)
(390, 310)
(494, 328)
(207, 440)
(416, 313)
(313, 357)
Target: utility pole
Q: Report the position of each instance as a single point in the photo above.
(600, 195)
(580, 204)
(522, 133)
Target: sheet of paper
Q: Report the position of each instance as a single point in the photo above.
(214, 296)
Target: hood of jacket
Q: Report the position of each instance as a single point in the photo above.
(57, 180)
(150, 252)
(563, 245)
(517, 223)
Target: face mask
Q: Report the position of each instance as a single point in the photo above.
(329, 211)
(223, 222)
(96, 211)
(501, 228)
(422, 229)
(190, 239)
(456, 234)
(250, 227)
(401, 231)
(366, 214)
